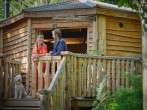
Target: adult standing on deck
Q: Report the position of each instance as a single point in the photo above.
(39, 49)
(59, 43)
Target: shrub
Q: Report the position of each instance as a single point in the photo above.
(124, 98)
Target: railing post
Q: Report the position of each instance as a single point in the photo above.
(68, 94)
(45, 99)
(68, 88)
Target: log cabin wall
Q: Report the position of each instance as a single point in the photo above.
(123, 37)
(15, 42)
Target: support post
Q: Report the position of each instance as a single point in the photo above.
(29, 36)
(95, 35)
(1, 41)
(45, 100)
(102, 34)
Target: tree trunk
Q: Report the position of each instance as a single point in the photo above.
(144, 52)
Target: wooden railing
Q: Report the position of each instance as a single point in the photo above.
(45, 67)
(55, 97)
(87, 71)
(8, 70)
(83, 73)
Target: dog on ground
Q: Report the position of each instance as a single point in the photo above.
(19, 88)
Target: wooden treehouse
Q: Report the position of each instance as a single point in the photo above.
(70, 80)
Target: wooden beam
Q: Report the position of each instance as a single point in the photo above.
(1, 41)
(102, 34)
(58, 13)
(88, 31)
(12, 20)
(95, 35)
(117, 13)
(29, 28)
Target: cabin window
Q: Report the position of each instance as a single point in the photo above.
(76, 39)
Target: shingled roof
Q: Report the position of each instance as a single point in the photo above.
(81, 4)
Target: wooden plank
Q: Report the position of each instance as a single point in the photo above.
(100, 75)
(113, 76)
(75, 76)
(50, 13)
(112, 37)
(13, 75)
(104, 67)
(61, 25)
(125, 44)
(34, 66)
(16, 37)
(84, 76)
(6, 80)
(95, 34)
(1, 78)
(94, 77)
(135, 34)
(21, 103)
(123, 53)
(117, 74)
(89, 78)
(102, 34)
(123, 20)
(117, 13)
(127, 70)
(132, 70)
(15, 34)
(108, 77)
(47, 75)
(40, 75)
(79, 77)
(124, 48)
(19, 45)
(17, 50)
(131, 26)
(28, 69)
(9, 81)
(16, 26)
(88, 39)
(122, 73)
(15, 42)
(68, 95)
(72, 76)
(1, 41)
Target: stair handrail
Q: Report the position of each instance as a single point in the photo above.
(49, 95)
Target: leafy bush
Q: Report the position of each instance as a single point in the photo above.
(124, 98)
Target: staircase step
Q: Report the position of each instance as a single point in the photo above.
(20, 103)
(19, 108)
(82, 102)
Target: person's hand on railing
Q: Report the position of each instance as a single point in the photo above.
(35, 56)
(50, 53)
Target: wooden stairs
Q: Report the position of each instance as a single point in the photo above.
(19, 104)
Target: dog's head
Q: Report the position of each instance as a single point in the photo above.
(18, 79)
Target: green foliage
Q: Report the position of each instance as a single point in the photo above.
(96, 52)
(16, 6)
(125, 3)
(124, 98)
(102, 97)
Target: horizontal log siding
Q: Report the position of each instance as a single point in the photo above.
(15, 42)
(123, 41)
